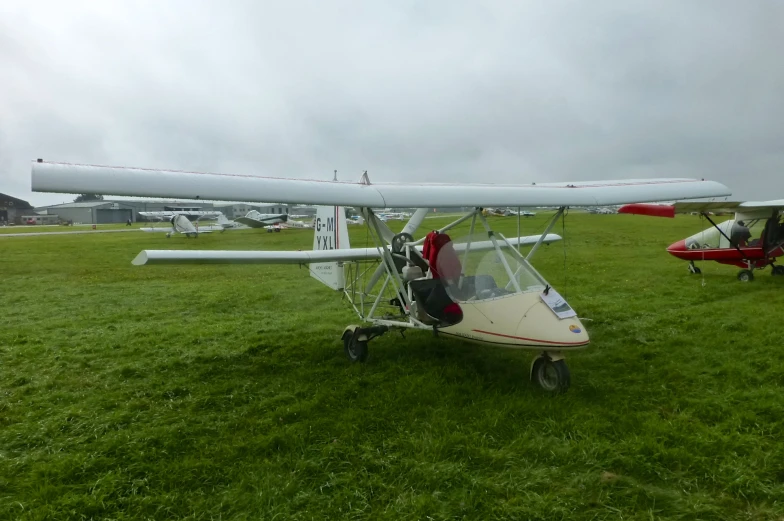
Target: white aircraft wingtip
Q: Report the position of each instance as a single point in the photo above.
(140, 259)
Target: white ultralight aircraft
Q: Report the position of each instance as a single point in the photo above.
(181, 222)
(478, 288)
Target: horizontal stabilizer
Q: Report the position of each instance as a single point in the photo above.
(296, 257)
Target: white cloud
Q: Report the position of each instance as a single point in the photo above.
(432, 91)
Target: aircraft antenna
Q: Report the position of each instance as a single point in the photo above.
(364, 180)
(335, 177)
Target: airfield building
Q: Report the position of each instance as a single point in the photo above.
(92, 212)
(12, 209)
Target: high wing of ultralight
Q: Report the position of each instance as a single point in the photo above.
(479, 287)
(68, 177)
(752, 240)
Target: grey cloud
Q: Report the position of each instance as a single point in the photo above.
(430, 91)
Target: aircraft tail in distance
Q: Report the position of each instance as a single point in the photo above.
(330, 233)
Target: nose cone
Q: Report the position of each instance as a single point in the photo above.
(678, 249)
(543, 327)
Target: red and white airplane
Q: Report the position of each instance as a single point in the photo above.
(752, 240)
(477, 288)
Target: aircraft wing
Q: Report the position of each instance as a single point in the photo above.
(297, 257)
(158, 229)
(171, 213)
(76, 178)
(778, 204)
(669, 210)
(253, 223)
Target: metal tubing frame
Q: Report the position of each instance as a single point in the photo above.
(468, 246)
(387, 258)
(452, 224)
(546, 231)
(491, 235)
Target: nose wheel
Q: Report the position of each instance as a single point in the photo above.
(550, 373)
(694, 269)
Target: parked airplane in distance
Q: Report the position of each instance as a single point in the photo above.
(752, 240)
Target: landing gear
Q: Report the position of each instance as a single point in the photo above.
(552, 375)
(356, 350)
(777, 270)
(745, 275)
(356, 338)
(694, 269)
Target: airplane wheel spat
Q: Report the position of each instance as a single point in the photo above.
(551, 375)
(478, 288)
(356, 350)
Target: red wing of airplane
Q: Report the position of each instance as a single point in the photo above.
(752, 240)
(479, 288)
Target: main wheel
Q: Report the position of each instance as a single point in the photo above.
(745, 276)
(778, 270)
(551, 376)
(356, 350)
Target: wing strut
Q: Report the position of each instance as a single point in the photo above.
(546, 231)
(704, 214)
(411, 227)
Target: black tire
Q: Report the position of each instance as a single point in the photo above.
(357, 350)
(694, 269)
(778, 270)
(551, 376)
(745, 276)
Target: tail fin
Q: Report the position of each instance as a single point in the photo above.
(331, 233)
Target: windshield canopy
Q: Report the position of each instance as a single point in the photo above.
(741, 233)
(473, 268)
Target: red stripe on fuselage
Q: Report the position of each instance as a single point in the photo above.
(530, 339)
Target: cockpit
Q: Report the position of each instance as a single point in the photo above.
(743, 233)
(471, 270)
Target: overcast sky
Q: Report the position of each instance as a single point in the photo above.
(430, 90)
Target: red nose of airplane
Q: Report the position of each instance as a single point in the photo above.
(677, 248)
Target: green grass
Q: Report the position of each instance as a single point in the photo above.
(221, 392)
(49, 228)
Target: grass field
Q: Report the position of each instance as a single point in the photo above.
(221, 392)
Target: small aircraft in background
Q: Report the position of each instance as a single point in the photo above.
(296, 224)
(478, 287)
(182, 221)
(255, 219)
(752, 240)
(508, 213)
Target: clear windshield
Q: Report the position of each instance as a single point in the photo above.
(743, 233)
(484, 271)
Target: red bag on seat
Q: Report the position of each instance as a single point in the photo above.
(440, 254)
